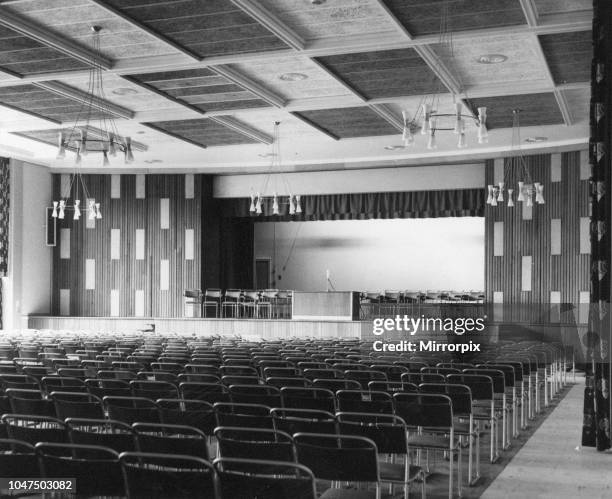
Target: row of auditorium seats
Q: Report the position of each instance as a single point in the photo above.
(122, 391)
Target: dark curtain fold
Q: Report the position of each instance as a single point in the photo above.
(363, 206)
(596, 423)
(4, 222)
(237, 237)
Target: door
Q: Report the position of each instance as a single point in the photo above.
(262, 273)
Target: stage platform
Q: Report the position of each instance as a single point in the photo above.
(261, 328)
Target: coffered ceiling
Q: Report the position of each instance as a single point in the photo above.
(200, 83)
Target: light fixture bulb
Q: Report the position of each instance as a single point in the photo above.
(252, 207)
(98, 212)
(521, 192)
(54, 213)
(91, 212)
(510, 201)
(462, 143)
(77, 209)
(291, 205)
(258, 209)
(490, 196)
(298, 206)
(500, 195)
(431, 142)
(275, 210)
(62, 206)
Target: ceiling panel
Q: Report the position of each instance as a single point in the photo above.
(568, 55)
(349, 122)
(44, 103)
(202, 89)
(331, 19)
(290, 126)
(578, 102)
(388, 73)
(24, 56)
(206, 28)
(125, 93)
(73, 19)
(424, 17)
(203, 132)
(317, 82)
(522, 64)
(558, 6)
(50, 137)
(535, 110)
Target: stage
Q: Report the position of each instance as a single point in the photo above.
(259, 328)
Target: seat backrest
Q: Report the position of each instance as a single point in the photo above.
(105, 432)
(250, 478)
(34, 429)
(364, 401)
(171, 439)
(424, 410)
(132, 409)
(77, 405)
(354, 458)
(498, 377)
(255, 394)
(18, 459)
(96, 469)
(480, 385)
(336, 384)
(255, 443)
(208, 392)
(387, 431)
(293, 421)
(162, 475)
(392, 386)
(243, 415)
(195, 413)
(308, 398)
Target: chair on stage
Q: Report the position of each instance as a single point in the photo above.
(193, 299)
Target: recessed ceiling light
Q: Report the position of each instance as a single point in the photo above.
(492, 58)
(125, 91)
(293, 77)
(395, 147)
(532, 140)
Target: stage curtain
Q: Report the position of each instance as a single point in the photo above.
(596, 423)
(4, 222)
(237, 236)
(418, 204)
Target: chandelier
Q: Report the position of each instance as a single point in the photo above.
(516, 171)
(429, 119)
(94, 130)
(260, 201)
(63, 205)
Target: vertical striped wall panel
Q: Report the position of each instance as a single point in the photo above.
(561, 268)
(122, 277)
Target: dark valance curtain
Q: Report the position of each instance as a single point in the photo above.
(596, 424)
(4, 222)
(418, 204)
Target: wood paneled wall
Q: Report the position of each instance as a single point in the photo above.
(134, 284)
(553, 238)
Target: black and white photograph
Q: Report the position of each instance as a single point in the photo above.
(305, 249)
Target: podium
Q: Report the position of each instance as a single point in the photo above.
(325, 305)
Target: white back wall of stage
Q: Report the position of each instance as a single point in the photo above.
(374, 255)
(30, 260)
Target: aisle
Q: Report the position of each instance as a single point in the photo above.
(549, 466)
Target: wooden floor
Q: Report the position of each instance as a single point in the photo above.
(552, 464)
